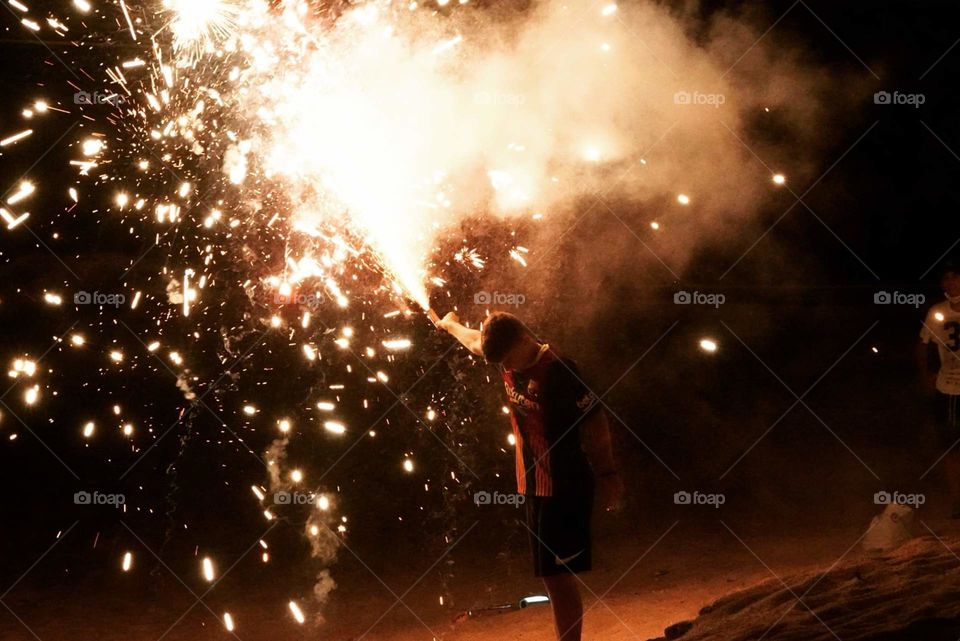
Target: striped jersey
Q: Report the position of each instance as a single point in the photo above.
(548, 403)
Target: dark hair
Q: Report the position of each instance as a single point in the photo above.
(501, 331)
(948, 268)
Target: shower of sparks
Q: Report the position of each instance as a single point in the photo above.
(221, 125)
(201, 24)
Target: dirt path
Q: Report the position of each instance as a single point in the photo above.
(647, 583)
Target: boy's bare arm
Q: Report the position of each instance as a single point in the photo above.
(598, 446)
(469, 338)
(595, 440)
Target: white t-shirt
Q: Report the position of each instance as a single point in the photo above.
(942, 326)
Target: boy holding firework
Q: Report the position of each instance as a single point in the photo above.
(563, 452)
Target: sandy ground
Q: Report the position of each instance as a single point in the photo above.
(638, 589)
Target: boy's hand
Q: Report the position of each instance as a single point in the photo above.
(610, 491)
(449, 319)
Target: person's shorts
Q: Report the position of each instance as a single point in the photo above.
(560, 534)
(948, 419)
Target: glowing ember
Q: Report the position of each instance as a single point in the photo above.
(297, 613)
(334, 427)
(208, 570)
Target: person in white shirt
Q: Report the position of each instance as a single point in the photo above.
(941, 329)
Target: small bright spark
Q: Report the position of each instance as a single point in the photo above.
(297, 613)
(208, 571)
(334, 427)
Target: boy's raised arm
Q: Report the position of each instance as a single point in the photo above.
(469, 338)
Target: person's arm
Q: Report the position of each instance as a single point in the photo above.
(927, 363)
(598, 446)
(469, 338)
(928, 357)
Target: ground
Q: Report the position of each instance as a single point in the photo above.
(637, 590)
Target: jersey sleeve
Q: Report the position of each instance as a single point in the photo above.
(573, 392)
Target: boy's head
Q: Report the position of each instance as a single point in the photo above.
(506, 341)
(950, 282)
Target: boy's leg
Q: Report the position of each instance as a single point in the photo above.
(560, 537)
(567, 605)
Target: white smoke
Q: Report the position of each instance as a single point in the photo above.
(405, 123)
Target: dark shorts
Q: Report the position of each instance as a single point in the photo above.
(948, 419)
(560, 534)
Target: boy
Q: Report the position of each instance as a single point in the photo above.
(942, 329)
(563, 450)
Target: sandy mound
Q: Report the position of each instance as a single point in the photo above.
(910, 593)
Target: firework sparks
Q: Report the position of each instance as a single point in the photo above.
(296, 612)
(293, 114)
(208, 570)
(708, 345)
(15, 138)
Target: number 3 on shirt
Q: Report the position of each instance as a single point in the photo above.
(953, 336)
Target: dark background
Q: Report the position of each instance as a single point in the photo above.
(801, 302)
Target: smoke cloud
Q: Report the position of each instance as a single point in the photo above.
(403, 124)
